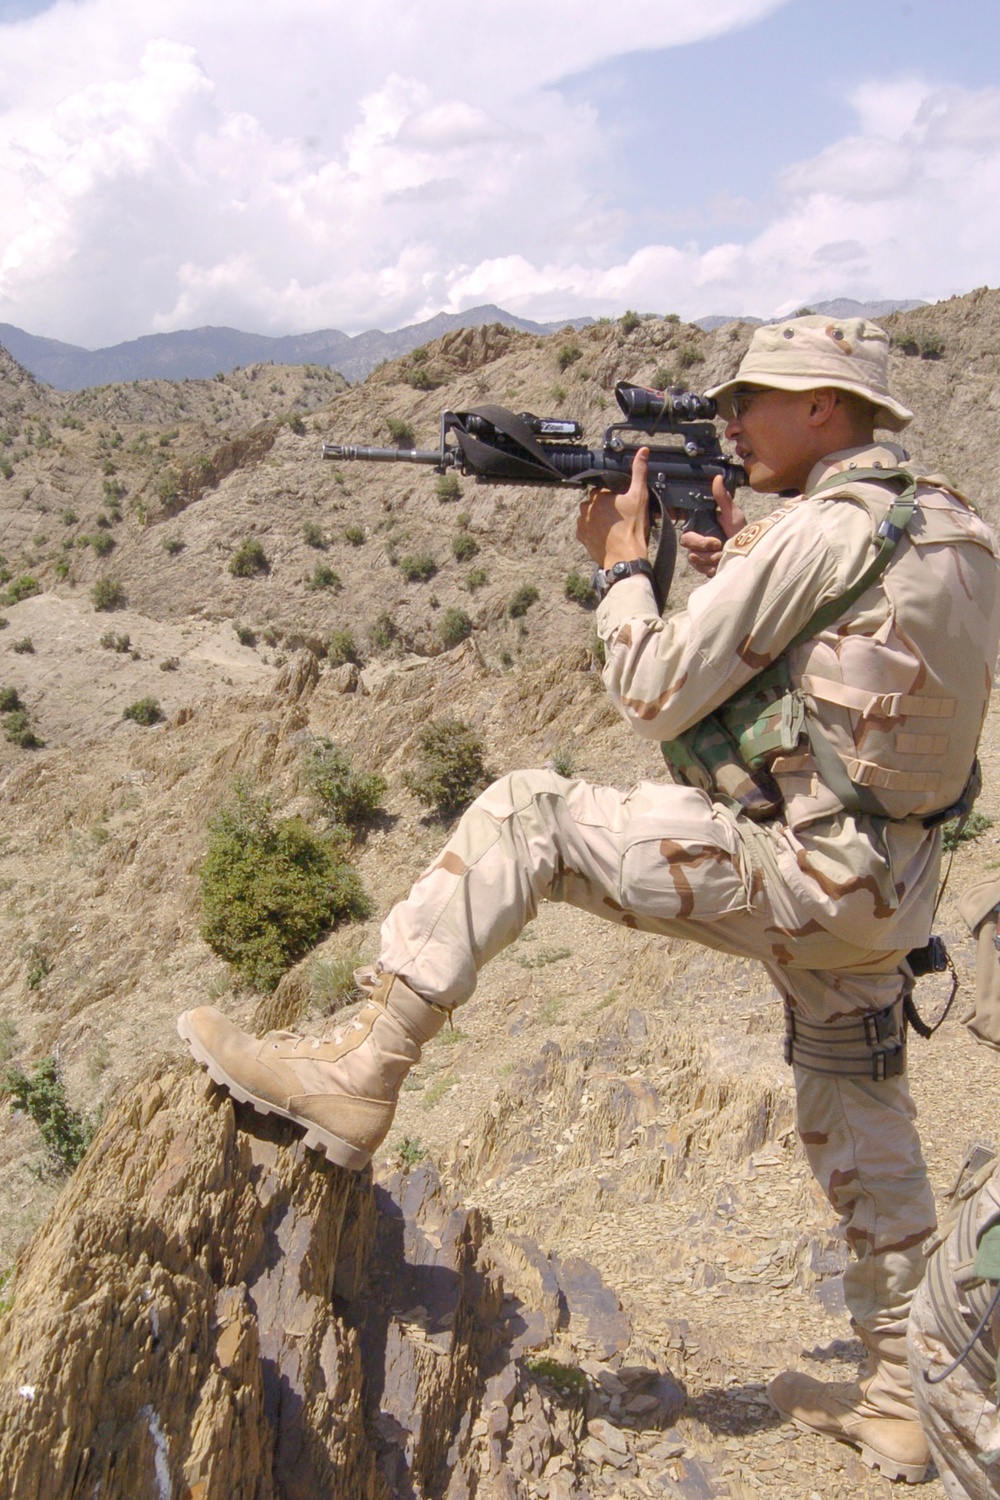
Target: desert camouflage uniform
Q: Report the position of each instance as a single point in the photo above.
(959, 1415)
(828, 902)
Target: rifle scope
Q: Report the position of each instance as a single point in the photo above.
(647, 407)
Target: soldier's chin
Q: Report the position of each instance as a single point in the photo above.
(759, 476)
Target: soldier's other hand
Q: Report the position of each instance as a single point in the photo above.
(615, 528)
(704, 552)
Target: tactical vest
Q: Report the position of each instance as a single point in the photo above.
(892, 767)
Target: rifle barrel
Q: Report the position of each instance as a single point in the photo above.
(384, 455)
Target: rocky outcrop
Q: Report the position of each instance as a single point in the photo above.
(214, 1313)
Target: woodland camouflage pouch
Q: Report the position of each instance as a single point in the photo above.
(979, 906)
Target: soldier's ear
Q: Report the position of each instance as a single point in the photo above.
(822, 404)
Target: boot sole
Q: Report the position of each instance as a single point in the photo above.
(889, 1468)
(338, 1151)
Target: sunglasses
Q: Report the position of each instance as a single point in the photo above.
(742, 397)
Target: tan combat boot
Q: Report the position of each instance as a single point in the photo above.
(342, 1091)
(876, 1413)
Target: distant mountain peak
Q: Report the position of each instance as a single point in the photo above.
(839, 307)
(200, 353)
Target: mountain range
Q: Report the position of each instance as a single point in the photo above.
(200, 353)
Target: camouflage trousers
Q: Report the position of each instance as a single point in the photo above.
(959, 1415)
(664, 859)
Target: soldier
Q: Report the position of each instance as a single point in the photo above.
(953, 1343)
(954, 1327)
(820, 697)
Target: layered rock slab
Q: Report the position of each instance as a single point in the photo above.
(215, 1312)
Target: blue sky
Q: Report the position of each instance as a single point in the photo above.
(300, 164)
(715, 120)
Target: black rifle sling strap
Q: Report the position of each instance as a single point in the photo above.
(498, 463)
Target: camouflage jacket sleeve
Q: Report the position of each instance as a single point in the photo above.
(665, 675)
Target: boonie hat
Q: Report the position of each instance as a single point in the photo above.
(812, 352)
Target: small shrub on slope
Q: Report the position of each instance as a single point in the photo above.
(450, 766)
(42, 1096)
(271, 888)
(346, 795)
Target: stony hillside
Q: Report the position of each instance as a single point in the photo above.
(612, 1101)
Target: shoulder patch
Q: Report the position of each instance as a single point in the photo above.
(744, 541)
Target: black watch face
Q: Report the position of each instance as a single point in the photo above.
(619, 570)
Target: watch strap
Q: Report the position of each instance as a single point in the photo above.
(606, 578)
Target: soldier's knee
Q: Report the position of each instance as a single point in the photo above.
(514, 793)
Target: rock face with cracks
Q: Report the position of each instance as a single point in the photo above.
(215, 1313)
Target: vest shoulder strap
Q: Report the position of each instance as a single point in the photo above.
(888, 536)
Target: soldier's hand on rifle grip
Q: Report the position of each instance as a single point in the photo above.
(704, 552)
(615, 528)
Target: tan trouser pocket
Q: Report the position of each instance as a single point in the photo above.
(679, 859)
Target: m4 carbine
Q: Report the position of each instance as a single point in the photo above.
(497, 446)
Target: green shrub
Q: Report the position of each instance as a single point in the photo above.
(411, 1153)
(61, 567)
(454, 626)
(172, 545)
(332, 982)
(384, 632)
(24, 647)
(108, 594)
(313, 536)
(341, 647)
(629, 321)
(931, 346)
(355, 535)
(578, 589)
(475, 578)
(102, 543)
(143, 711)
(345, 795)
(245, 635)
(21, 588)
(69, 517)
(324, 577)
(296, 423)
(113, 640)
(450, 766)
(17, 729)
(271, 889)
(663, 378)
(420, 378)
(417, 567)
(170, 664)
(8, 1039)
(463, 546)
(563, 763)
(688, 355)
(522, 600)
(975, 824)
(42, 1096)
(400, 432)
(448, 488)
(568, 355)
(9, 700)
(559, 394)
(249, 559)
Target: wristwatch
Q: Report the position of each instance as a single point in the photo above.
(605, 578)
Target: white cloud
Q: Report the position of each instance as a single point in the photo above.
(324, 164)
